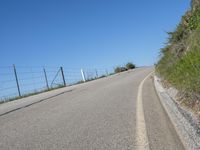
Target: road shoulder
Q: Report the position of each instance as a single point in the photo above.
(186, 129)
(160, 130)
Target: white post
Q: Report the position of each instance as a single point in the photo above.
(83, 75)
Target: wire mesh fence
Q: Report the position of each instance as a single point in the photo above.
(18, 81)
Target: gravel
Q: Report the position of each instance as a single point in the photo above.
(184, 121)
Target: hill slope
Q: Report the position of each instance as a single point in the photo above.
(180, 58)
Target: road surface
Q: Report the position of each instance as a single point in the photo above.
(120, 112)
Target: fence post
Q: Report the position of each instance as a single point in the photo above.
(83, 75)
(63, 77)
(17, 81)
(46, 79)
(96, 73)
(106, 72)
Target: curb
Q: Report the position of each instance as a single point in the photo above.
(183, 121)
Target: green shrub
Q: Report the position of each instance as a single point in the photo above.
(194, 21)
(123, 69)
(130, 66)
(120, 69)
(179, 34)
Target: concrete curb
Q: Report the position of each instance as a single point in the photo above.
(183, 121)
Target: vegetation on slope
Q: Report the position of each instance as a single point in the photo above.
(128, 66)
(180, 58)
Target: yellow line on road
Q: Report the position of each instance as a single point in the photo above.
(141, 133)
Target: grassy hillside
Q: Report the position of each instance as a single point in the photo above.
(180, 58)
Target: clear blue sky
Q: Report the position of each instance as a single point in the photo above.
(85, 33)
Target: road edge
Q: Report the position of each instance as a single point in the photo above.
(187, 132)
(141, 131)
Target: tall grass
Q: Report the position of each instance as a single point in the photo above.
(180, 61)
(183, 72)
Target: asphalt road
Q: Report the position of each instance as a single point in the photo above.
(106, 114)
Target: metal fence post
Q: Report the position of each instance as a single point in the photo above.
(96, 73)
(17, 81)
(46, 79)
(83, 75)
(63, 77)
(107, 72)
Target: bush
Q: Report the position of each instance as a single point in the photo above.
(130, 66)
(194, 21)
(120, 69)
(123, 69)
